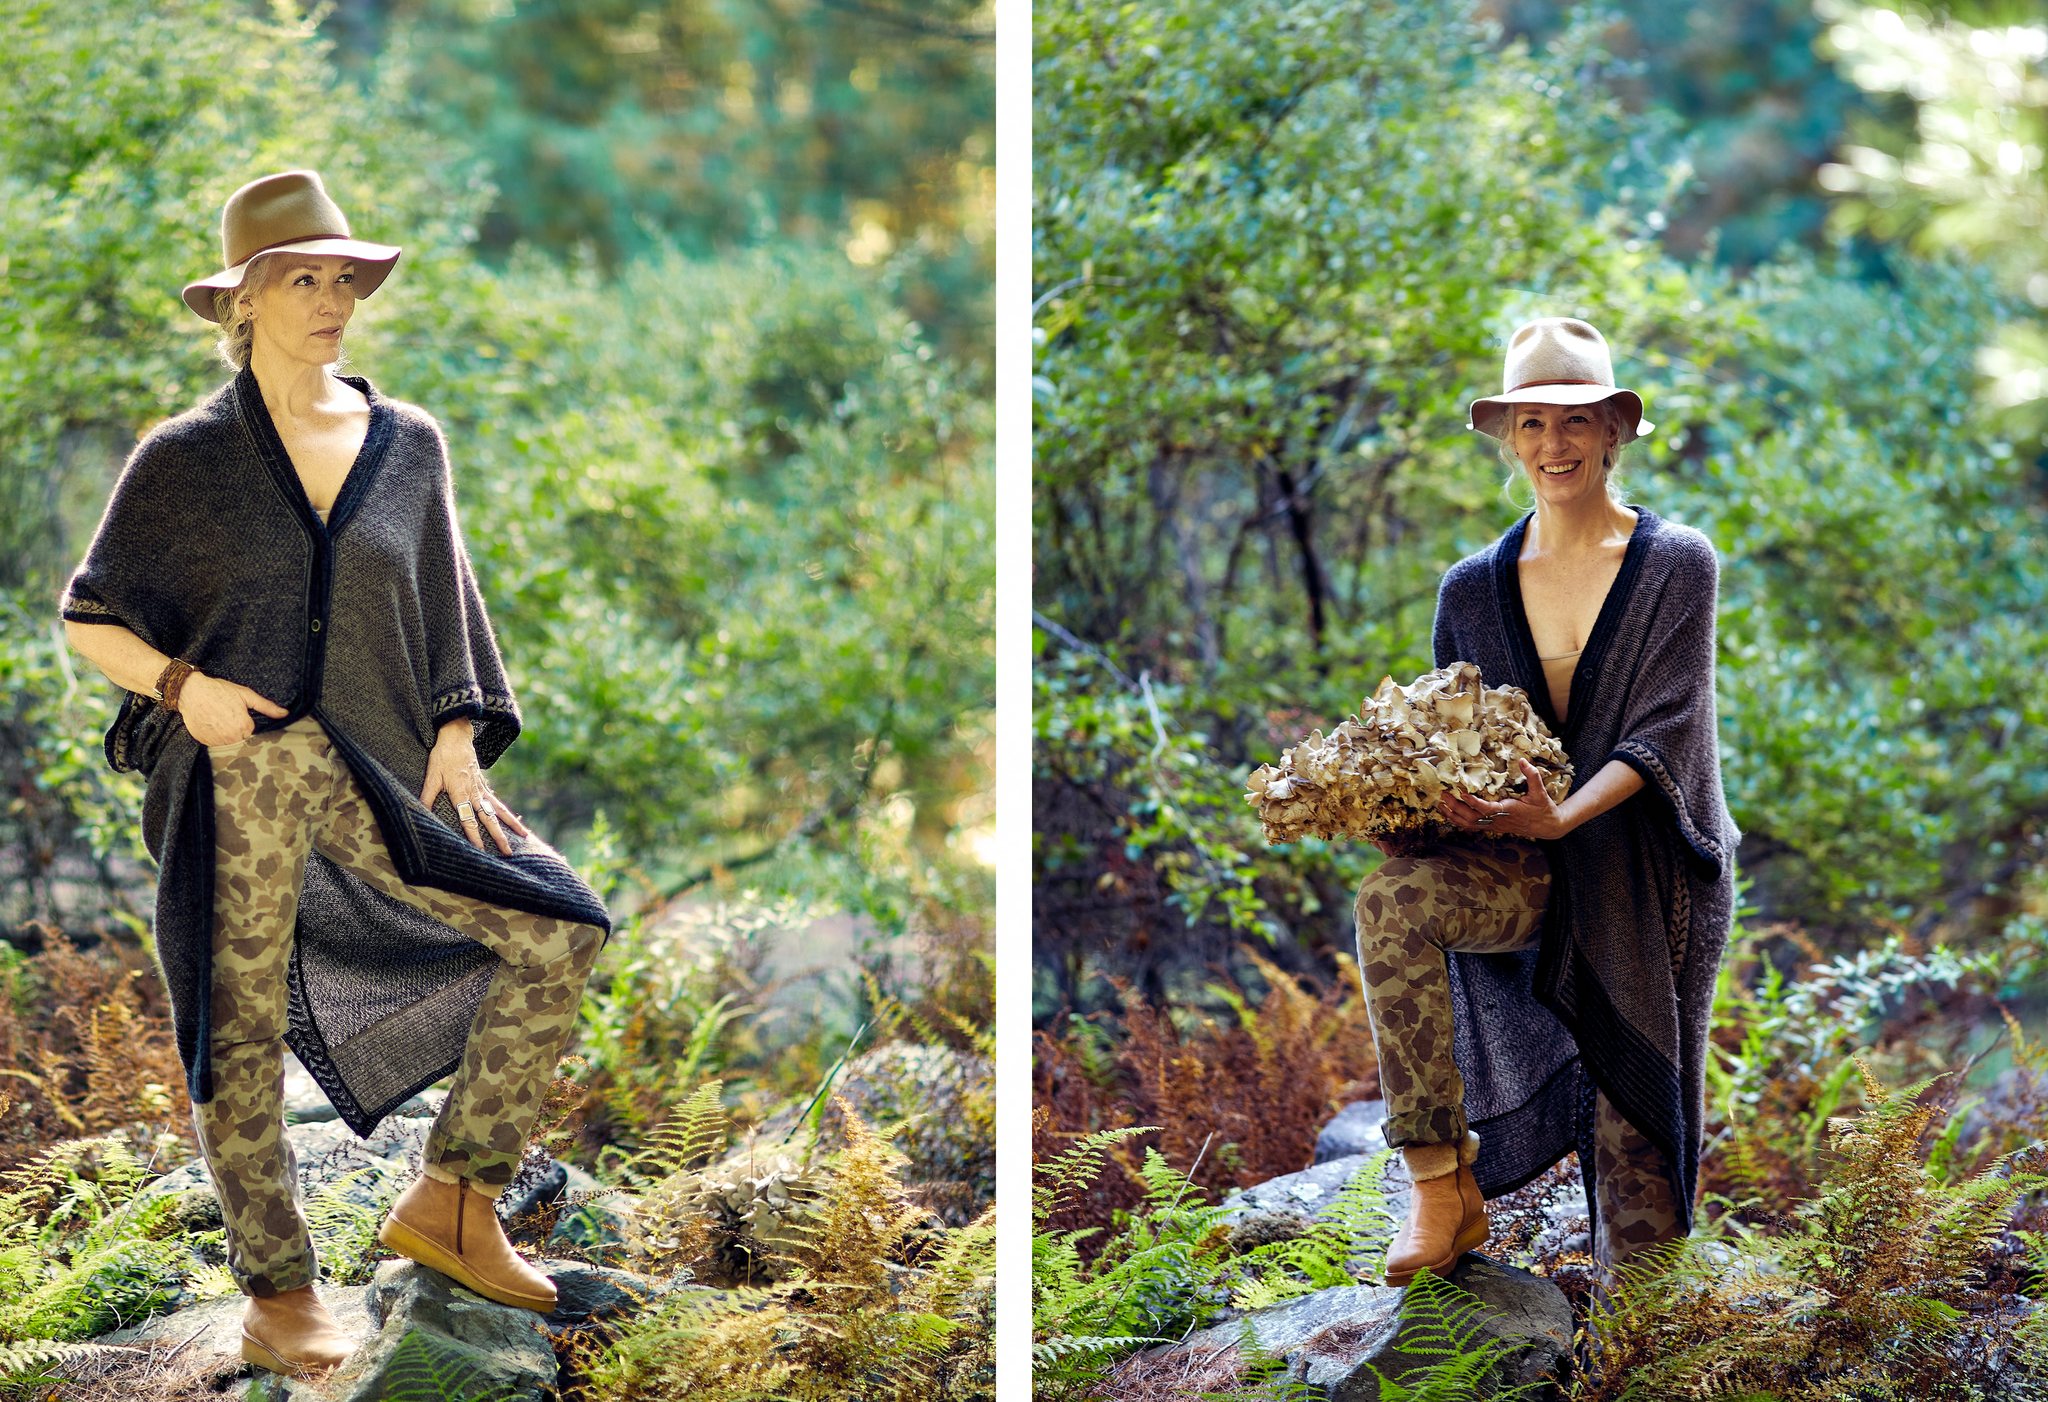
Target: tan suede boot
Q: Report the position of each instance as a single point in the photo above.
(453, 1228)
(292, 1333)
(1446, 1214)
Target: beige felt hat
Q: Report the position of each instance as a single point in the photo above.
(288, 213)
(1558, 360)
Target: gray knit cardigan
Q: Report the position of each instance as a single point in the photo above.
(1619, 993)
(372, 624)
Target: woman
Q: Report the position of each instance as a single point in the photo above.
(1586, 933)
(280, 586)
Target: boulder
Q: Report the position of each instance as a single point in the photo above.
(1313, 1192)
(206, 1338)
(1356, 1129)
(435, 1338)
(594, 1219)
(584, 1292)
(1341, 1341)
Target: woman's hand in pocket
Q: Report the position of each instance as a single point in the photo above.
(217, 712)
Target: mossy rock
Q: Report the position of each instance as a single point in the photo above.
(952, 1147)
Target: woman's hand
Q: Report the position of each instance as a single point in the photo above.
(1533, 815)
(217, 712)
(452, 768)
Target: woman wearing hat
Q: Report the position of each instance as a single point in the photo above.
(314, 692)
(1542, 982)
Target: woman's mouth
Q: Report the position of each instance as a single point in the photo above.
(1561, 469)
(332, 333)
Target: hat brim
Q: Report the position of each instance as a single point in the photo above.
(1489, 415)
(374, 262)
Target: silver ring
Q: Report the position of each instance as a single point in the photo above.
(1486, 821)
(486, 807)
(465, 812)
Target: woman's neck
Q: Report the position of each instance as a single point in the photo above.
(291, 388)
(1588, 524)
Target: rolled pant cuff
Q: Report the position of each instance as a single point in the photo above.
(486, 1170)
(1431, 1124)
(288, 1275)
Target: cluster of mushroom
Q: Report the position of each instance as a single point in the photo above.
(757, 1217)
(1380, 773)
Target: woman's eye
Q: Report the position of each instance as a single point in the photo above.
(346, 277)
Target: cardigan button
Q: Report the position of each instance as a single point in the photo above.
(316, 625)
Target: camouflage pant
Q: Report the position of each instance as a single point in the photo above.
(1480, 896)
(278, 796)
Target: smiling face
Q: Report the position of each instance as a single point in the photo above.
(302, 308)
(1564, 448)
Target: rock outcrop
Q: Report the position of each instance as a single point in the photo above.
(1356, 1129)
(1342, 1341)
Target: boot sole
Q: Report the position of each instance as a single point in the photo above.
(1471, 1239)
(259, 1355)
(415, 1247)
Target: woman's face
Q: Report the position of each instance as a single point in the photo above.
(301, 310)
(1563, 448)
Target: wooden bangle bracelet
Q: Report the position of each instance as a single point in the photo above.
(172, 681)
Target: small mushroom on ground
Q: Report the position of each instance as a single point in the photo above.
(1380, 772)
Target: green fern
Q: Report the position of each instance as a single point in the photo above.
(426, 1368)
(1440, 1323)
(1164, 1273)
(1359, 1223)
(1053, 1182)
(345, 1231)
(29, 1360)
(692, 1137)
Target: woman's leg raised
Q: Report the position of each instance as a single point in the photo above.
(521, 1025)
(1484, 896)
(1481, 896)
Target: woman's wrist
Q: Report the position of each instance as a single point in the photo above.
(457, 728)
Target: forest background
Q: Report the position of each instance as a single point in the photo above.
(1278, 245)
(699, 293)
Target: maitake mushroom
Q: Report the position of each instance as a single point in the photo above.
(753, 1218)
(1380, 773)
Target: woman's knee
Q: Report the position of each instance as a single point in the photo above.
(1392, 899)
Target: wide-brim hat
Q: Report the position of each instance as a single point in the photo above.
(288, 213)
(1558, 360)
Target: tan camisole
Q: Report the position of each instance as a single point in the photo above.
(1557, 675)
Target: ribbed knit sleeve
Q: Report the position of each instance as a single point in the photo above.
(1668, 724)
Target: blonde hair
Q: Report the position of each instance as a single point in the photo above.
(1518, 476)
(237, 322)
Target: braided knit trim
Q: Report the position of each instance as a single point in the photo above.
(81, 609)
(1654, 762)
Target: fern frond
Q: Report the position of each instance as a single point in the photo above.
(1081, 1165)
(692, 1137)
(31, 1357)
(212, 1282)
(1440, 1323)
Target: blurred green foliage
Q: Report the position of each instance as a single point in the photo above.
(1279, 246)
(731, 514)
(617, 127)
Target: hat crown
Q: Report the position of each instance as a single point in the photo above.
(278, 209)
(1556, 350)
